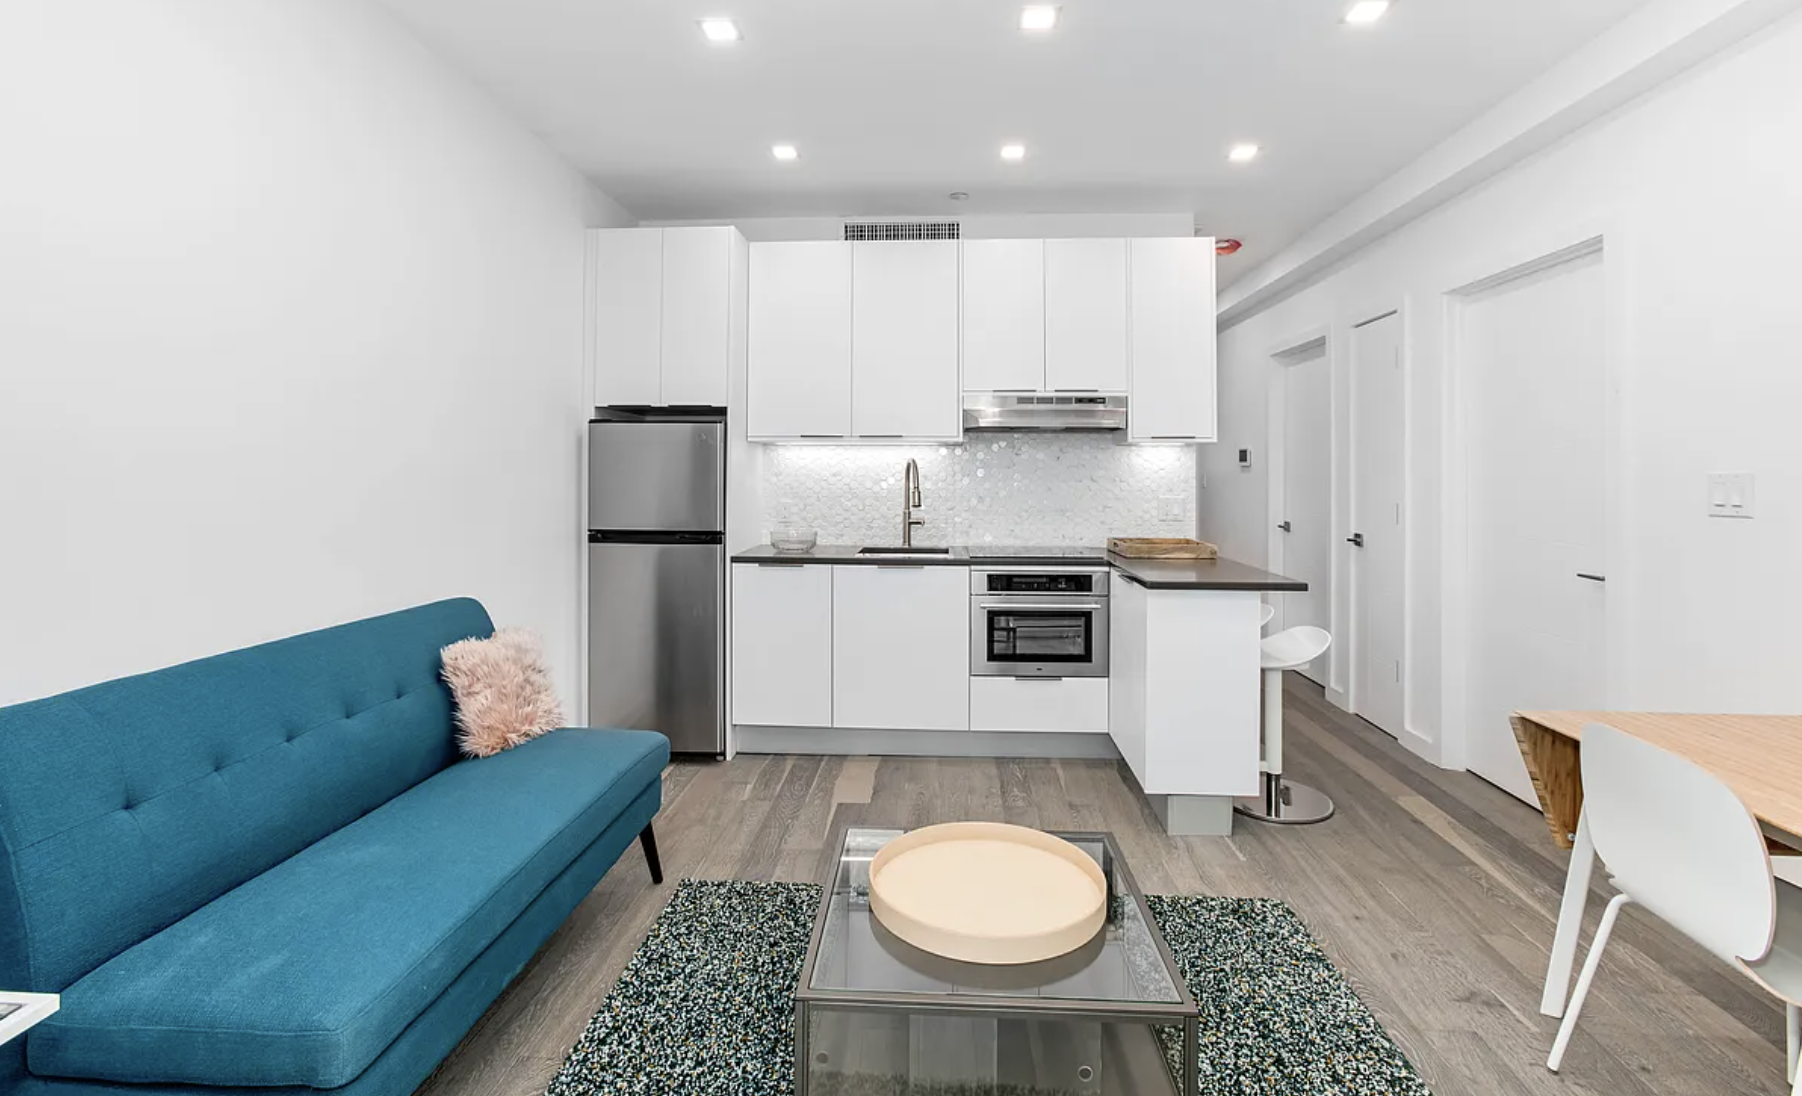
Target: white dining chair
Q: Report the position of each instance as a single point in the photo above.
(1285, 801)
(1678, 842)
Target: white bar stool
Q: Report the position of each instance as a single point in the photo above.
(1264, 617)
(1282, 801)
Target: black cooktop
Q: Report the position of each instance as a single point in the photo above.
(1035, 553)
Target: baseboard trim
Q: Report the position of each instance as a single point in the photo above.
(1339, 699)
(835, 741)
(1420, 745)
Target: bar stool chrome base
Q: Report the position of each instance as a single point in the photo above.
(1285, 803)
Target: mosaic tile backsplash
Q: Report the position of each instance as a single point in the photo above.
(1063, 489)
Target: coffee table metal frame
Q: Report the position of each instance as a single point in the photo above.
(1182, 1012)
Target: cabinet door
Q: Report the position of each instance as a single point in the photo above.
(1173, 331)
(1004, 315)
(904, 375)
(799, 376)
(697, 283)
(1085, 315)
(628, 309)
(901, 648)
(1128, 621)
(781, 645)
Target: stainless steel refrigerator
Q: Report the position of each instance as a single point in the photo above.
(657, 577)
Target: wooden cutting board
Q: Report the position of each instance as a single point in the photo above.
(1162, 548)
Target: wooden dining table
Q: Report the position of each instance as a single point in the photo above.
(1758, 756)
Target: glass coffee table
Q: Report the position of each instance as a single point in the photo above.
(875, 1015)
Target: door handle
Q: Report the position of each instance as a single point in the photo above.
(1356, 539)
(1031, 607)
(1284, 526)
(1592, 578)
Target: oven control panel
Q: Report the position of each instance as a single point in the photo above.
(1090, 583)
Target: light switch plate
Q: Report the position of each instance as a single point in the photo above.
(1731, 494)
(1170, 508)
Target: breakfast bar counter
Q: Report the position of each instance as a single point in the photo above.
(1202, 574)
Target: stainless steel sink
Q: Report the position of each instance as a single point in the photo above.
(904, 551)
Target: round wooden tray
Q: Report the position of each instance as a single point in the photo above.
(985, 892)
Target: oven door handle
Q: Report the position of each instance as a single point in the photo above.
(1034, 607)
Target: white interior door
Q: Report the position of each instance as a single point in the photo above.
(1378, 522)
(1306, 522)
(1536, 406)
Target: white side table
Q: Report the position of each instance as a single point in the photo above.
(20, 1011)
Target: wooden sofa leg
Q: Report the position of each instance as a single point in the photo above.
(648, 839)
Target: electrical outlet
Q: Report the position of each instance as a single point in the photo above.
(1730, 494)
(1170, 508)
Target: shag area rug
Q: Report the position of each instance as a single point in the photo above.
(705, 1007)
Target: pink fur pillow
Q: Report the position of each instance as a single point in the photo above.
(502, 689)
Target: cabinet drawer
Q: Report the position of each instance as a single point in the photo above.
(1038, 704)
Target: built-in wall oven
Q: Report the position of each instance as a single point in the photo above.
(1038, 621)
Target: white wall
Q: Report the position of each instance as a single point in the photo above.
(1694, 190)
(291, 324)
(1023, 226)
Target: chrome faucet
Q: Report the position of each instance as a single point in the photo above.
(910, 498)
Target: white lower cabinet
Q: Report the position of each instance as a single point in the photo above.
(781, 645)
(900, 647)
(1128, 606)
(1183, 690)
(1073, 704)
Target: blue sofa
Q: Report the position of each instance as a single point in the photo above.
(269, 872)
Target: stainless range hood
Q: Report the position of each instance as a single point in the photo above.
(1047, 411)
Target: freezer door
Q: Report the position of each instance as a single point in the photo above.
(656, 653)
(657, 476)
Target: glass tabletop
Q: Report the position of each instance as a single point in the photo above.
(1125, 965)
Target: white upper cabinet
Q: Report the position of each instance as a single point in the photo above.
(1004, 315)
(879, 340)
(904, 341)
(697, 287)
(628, 309)
(662, 313)
(1086, 316)
(1173, 337)
(800, 340)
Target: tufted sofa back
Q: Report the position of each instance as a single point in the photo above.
(128, 805)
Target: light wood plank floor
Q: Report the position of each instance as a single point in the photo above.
(1433, 891)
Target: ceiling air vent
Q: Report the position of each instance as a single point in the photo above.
(902, 230)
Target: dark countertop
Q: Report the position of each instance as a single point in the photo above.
(1202, 574)
(1153, 574)
(840, 554)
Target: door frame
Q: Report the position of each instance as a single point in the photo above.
(1345, 686)
(1532, 255)
(1282, 355)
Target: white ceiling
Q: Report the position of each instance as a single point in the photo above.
(1128, 106)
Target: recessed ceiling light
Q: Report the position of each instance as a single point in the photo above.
(1365, 12)
(720, 30)
(959, 195)
(785, 152)
(1243, 154)
(1038, 17)
(1013, 153)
